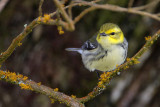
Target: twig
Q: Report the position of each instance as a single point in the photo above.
(155, 2)
(119, 9)
(130, 3)
(97, 90)
(3, 4)
(83, 13)
(70, 10)
(16, 41)
(158, 14)
(40, 7)
(64, 14)
(66, 7)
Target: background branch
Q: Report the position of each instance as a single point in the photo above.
(120, 9)
(3, 4)
(130, 3)
(64, 14)
(40, 7)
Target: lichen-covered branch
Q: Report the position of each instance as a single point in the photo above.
(17, 40)
(26, 84)
(106, 77)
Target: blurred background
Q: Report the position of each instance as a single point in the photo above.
(43, 58)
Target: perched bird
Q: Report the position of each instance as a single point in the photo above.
(104, 51)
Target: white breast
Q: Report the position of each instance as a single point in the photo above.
(115, 56)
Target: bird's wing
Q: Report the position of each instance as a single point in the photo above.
(90, 44)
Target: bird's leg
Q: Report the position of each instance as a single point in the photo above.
(98, 75)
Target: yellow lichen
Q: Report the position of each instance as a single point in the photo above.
(25, 86)
(13, 77)
(60, 30)
(39, 19)
(128, 59)
(100, 84)
(104, 78)
(126, 67)
(52, 100)
(39, 83)
(147, 38)
(73, 96)
(19, 76)
(56, 89)
(8, 76)
(46, 18)
(19, 44)
(135, 61)
(25, 78)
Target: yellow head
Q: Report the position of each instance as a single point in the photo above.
(109, 34)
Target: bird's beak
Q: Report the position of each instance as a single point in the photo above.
(103, 34)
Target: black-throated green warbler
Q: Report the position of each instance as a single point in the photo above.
(104, 51)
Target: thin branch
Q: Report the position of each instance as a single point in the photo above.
(119, 9)
(70, 9)
(3, 4)
(17, 40)
(83, 13)
(40, 7)
(97, 90)
(66, 7)
(64, 14)
(130, 3)
(158, 14)
(149, 5)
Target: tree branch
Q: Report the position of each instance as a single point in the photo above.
(119, 9)
(64, 14)
(40, 7)
(17, 40)
(26, 84)
(3, 4)
(155, 2)
(130, 3)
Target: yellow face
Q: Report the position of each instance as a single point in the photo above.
(110, 34)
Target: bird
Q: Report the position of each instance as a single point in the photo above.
(104, 51)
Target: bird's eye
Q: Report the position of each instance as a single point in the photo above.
(112, 33)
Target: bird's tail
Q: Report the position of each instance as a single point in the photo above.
(79, 50)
